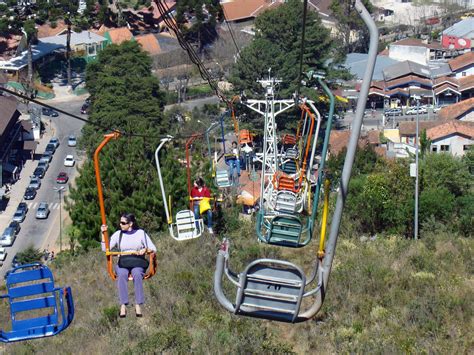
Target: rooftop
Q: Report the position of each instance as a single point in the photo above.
(404, 68)
(118, 35)
(462, 61)
(457, 110)
(357, 62)
(149, 43)
(84, 37)
(449, 128)
(464, 28)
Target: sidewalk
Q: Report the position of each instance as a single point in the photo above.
(18, 189)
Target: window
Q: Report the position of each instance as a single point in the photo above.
(464, 73)
(444, 148)
(434, 148)
(466, 147)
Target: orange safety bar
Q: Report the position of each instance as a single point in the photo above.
(108, 254)
(308, 142)
(300, 126)
(281, 181)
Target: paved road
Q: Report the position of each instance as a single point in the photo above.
(43, 234)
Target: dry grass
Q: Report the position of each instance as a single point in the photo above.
(385, 296)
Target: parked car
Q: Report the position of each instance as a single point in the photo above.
(85, 108)
(69, 160)
(19, 215)
(54, 141)
(62, 178)
(30, 193)
(39, 173)
(35, 183)
(3, 255)
(393, 112)
(8, 237)
(50, 148)
(47, 156)
(43, 164)
(22, 206)
(49, 112)
(15, 225)
(43, 211)
(71, 141)
(414, 110)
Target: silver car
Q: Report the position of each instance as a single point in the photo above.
(47, 156)
(35, 183)
(43, 211)
(54, 141)
(8, 237)
(19, 215)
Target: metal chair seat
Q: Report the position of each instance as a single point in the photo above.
(285, 230)
(37, 307)
(289, 167)
(186, 225)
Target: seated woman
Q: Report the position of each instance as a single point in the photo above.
(198, 193)
(130, 238)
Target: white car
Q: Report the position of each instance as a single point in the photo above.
(414, 110)
(69, 160)
(71, 141)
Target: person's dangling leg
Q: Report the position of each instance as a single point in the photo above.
(137, 275)
(209, 221)
(196, 214)
(122, 286)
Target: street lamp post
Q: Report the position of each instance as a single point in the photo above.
(417, 137)
(60, 190)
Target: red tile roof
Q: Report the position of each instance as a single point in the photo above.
(455, 111)
(408, 128)
(462, 61)
(243, 9)
(47, 30)
(119, 35)
(466, 83)
(149, 43)
(446, 79)
(338, 140)
(414, 42)
(406, 79)
(445, 87)
(451, 127)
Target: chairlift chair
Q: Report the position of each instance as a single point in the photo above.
(38, 308)
(185, 226)
(274, 289)
(108, 253)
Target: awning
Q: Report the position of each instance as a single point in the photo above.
(30, 145)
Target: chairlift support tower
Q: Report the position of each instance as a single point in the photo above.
(269, 108)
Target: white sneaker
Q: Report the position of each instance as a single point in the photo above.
(210, 231)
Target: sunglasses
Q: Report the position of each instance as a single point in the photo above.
(124, 223)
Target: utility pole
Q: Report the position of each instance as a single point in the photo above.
(60, 190)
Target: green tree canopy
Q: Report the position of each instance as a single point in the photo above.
(125, 97)
(277, 45)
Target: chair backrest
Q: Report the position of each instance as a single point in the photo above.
(186, 225)
(291, 153)
(222, 178)
(285, 202)
(285, 230)
(271, 289)
(35, 310)
(289, 167)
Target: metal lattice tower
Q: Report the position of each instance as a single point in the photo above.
(269, 108)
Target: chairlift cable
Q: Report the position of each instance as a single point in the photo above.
(300, 72)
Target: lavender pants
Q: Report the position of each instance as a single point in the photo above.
(122, 284)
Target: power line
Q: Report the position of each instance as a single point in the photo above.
(103, 127)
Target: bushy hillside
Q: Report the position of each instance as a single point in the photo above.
(386, 295)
